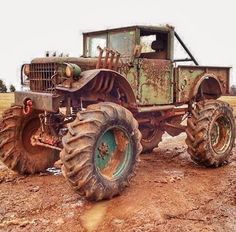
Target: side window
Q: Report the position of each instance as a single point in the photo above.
(92, 43)
(154, 46)
(146, 42)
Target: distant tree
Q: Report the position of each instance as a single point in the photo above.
(233, 90)
(12, 88)
(3, 88)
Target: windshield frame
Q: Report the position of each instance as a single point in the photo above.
(108, 33)
(138, 30)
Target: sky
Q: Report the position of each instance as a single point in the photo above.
(28, 28)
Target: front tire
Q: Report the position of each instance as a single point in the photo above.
(100, 151)
(211, 133)
(16, 151)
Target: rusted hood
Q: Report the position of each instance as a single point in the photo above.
(84, 63)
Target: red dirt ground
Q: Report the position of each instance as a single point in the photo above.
(169, 193)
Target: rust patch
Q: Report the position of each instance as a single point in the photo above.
(155, 82)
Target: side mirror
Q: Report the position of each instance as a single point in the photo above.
(137, 51)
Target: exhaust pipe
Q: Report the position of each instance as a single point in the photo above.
(117, 61)
(106, 57)
(99, 57)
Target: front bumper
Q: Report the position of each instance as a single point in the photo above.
(41, 101)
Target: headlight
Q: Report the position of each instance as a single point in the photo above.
(73, 70)
(26, 69)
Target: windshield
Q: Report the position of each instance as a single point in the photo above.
(93, 42)
(123, 42)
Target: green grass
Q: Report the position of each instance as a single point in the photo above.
(231, 100)
(6, 99)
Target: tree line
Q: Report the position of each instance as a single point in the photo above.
(3, 87)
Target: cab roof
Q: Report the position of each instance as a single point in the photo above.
(159, 28)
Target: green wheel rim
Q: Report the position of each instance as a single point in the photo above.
(221, 134)
(113, 153)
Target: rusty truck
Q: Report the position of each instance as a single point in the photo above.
(98, 112)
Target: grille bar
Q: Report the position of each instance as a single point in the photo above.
(41, 77)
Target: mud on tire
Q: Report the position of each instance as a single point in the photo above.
(16, 151)
(151, 137)
(211, 133)
(89, 164)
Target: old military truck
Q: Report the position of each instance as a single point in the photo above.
(100, 110)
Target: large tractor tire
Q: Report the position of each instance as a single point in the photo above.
(101, 150)
(151, 137)
(16, 151)
(211, 133)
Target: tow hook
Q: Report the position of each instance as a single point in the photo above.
(28, 106)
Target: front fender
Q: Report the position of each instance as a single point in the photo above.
(87, 76)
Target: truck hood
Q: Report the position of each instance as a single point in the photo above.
(84, 63)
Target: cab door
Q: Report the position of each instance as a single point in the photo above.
(155, 85)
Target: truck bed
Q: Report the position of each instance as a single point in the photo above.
(187, 78)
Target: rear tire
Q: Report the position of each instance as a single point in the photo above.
(101, 150)
(211, 133)
(151, 137)
(16, 151)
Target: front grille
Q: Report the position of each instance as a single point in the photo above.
(41, 76)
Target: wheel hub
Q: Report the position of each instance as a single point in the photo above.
(103, 150)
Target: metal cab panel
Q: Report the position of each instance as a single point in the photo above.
(156, 82)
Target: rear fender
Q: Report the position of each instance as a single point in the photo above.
(210, 85)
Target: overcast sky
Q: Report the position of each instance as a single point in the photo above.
(29, 28)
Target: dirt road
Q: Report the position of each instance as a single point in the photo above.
(169, 193)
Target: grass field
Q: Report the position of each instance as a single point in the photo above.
(6, 99)
(231, 100)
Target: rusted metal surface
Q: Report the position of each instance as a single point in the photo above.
(104, 80)
(83, 63)
(159, 117)
(189, 78)
(155, 84)
(98, 65)
(41, 101)
(131, 74)
(173, 125)
(145, 109)
(46, 140)
(111, 60)
(28, 107)
(41, 77)
(163, 28)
